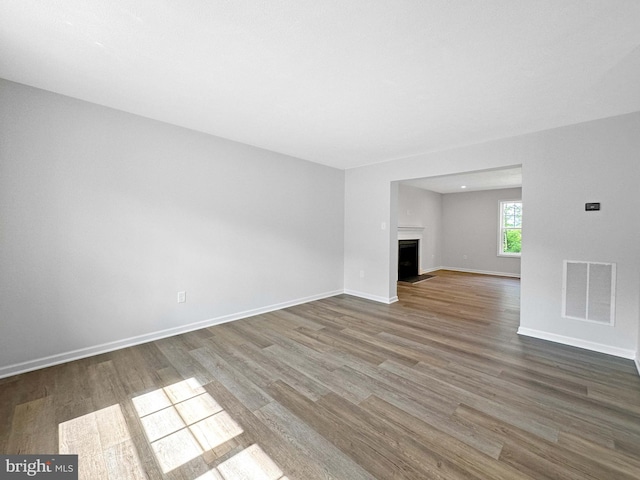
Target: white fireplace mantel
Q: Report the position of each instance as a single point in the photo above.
(410, 233)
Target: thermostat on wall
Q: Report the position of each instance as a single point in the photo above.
(589, 207)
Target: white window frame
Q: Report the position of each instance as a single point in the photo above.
(501, 229)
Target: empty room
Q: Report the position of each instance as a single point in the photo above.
(319, 240)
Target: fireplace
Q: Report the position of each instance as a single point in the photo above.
(408, 263)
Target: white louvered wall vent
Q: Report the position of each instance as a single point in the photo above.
(588, 291)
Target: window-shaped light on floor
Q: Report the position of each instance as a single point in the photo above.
(252, 463)
(101, 440)
(182, 421)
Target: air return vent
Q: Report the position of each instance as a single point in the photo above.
(588, 291)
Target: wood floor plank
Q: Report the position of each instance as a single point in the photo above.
(539, 455)
(249, 333)
(250, 394)
(335, 339)
(544, 399)
(33, 428)
(291, 461)
(81, 437)
(332, 462)
(436, 412)
(400, 445)
(295, 349)
(512, 414)
(304, 384)
(332, 380)
(436, 386)
(177, 351)
(237, 355)
(370, 453)
(465, 458)
(618, 462)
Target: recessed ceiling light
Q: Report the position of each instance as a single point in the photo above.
(463, 186)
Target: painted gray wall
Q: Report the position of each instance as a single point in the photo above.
(470, 231)
(422, 208)
(105, 216)
(591, 162)
(562, 169)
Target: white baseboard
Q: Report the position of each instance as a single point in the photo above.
(429, 270)
(577, 342)
(375, 298)
(64, 357)
(482, 272)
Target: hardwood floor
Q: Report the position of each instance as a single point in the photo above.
(436, 386)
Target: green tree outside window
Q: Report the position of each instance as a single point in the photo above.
(510, 228)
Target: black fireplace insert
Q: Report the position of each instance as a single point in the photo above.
(407, 258)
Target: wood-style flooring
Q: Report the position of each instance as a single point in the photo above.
(436, 386)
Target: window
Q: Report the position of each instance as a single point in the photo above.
(510, 228)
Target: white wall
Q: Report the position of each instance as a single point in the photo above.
(638, 348)
(422, 208)
(591, 162)
(470, 231)
(562, 169)
(105, 216)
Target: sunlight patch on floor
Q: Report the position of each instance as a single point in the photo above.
(182, 421)
(251, 463)
(103, 444)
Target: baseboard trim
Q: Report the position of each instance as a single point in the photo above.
(59, 358)
(637, 362)
(368, 296)
(429, 270)
(482, 272)
(577, 342)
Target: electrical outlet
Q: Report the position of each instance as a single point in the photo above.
(182, 297)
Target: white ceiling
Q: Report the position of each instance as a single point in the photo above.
(343, 83)
(472, 181)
